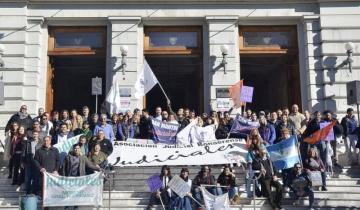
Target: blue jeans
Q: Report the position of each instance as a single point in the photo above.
(248, 183)
(231, 190)
(308, 192)
(181, 203)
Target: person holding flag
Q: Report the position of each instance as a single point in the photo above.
(268, 178)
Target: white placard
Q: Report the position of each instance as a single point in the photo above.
(179, 186)
(96, 86)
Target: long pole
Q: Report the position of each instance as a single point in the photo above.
(162, 202)
(162, 89)
(96, 103)
(358, 114)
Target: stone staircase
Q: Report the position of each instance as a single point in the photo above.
(129, 190)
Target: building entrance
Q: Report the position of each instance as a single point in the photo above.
(269, 63)
(180, 77)
(76, 54)
(175, 56)
(71, 83)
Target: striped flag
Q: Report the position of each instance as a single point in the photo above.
(284, 154)
(320, 134)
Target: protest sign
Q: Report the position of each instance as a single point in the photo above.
(213, 202)
(179, 186)
(223, 104)
(154, 182)
(246, 94)
(70, 191)
(164, 132)
(213, 152)
(331, 135)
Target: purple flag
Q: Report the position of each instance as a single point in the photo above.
(154, 182)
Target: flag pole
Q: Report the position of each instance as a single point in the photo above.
(162, 89)
(297, 147)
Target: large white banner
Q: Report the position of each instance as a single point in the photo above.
(213, 152)
(73, 191)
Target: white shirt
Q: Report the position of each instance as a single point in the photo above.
(47, 128)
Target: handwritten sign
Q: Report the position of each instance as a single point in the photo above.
(179, 186)
(154, 182)
(246, 94)
(331, 135)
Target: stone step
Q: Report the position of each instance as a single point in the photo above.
(242, 207)
(119, 202)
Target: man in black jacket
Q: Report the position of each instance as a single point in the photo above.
(22, 118)
(268, 179)
(47, 158)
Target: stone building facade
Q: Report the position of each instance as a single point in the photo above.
(321, 29)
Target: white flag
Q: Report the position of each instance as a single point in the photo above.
(113, 98)
(145, 81)
(213, 202)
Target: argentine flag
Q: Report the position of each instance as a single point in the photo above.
(284, 154)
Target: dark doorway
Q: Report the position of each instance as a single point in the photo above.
(72, 81)
(181, 78)
(275, 79)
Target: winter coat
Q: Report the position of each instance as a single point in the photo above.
(47, 158)
(83, 164)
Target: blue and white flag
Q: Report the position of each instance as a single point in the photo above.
(284, 154)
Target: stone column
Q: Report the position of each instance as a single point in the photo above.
(124, 31)
(221, 30)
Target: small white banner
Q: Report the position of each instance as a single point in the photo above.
(73, 191)
(212, 152)
(213, 202)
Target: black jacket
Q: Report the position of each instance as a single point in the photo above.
(47, 158)
(259, 163)
(84, 163)
(225, 180)
(26, 122)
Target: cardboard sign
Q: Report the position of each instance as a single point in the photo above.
(154, 182)
(96, 86)
(223, 104)
(246, 94)
(331, 135)
(179, 186)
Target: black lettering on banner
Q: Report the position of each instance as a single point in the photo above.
(175, 156)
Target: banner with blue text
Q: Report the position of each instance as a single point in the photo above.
(73, 191)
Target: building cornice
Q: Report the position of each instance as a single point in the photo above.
(172, 1)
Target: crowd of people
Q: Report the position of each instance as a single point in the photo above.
(29, 146)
